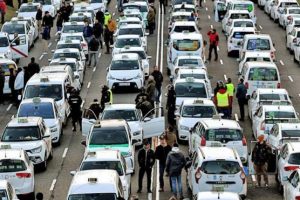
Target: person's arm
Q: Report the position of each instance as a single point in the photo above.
(168, 164)
(152, 158)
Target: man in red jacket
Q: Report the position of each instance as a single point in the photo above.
(213, 43)
(2, 11)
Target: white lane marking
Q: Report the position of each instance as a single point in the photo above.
(65, 152)
(49, 45)
(9, 107)
(236, 117)
(41, 57)
(161, 56)
(291, 79)
(157, 41)
(253, 178)
(211, 26)
(204, 1)
(218, 49)
(261, 28)
(52, 185)
(221, 61)
(99, 55)
(94, 69)
(114, 14)
(208, 16)
(88, 85)
(281, 62)
(116, 6)
(206, 8)
(225, 77)
(82, 104)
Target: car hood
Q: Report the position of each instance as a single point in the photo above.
(119, 74)
(27, 14)
(26, 145)
(134, 126)
(124, 148)
(190, 122)
(49, 122)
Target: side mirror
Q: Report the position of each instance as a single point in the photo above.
(147, 119)
(58, 33)
(111, 46)
(171, 78)
(238, 60)
(146, 34)
(72, 173)
(83, 143)
(107, 69)
(210, 77)
(273, 44)
(177, 114)
(52, 51)
(239, 43)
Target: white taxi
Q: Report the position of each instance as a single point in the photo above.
(77, 36)
(177, 17)
(28, 9)
(98, 4)
(292, 38)
(134, 13)
(33, 25)
(265, 96)
(48, 110)
(81, 17)
(293, 22)
(297, 50)
(123, 41)
(267, 115)
(125, 70)
(108, 159)
(291, 190)
(234, 14)
(190, 112)
(278, 7)
(73, 44)
(219, 132)
(249, 56)
(18, 171)
(71, 27)
(32, 135)
(142, 6)
(183, 61)
(99, 184)
(130, 20)
(217, 169)
(69, 53)
(287, 14)
(7, 191)
(239, 23)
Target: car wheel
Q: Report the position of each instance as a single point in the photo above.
(51, 155)
(43, 165)
(31, 196)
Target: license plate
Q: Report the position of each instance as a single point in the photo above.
(219, 187)
(124, 84)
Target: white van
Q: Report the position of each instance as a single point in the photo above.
(6, 64)
(243, 5)
(278, 8)
(183, 44)
(260, 75)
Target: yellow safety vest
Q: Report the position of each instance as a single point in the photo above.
(222, 99)
(230, 89)
(106, 18)
(110, 97)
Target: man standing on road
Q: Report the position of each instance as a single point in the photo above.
(3, 10)
(162, 6)
(106, 37)
(98, 31)
(150, 89)
(230, 90)
(158, 77)
(11, 83)
(213, 43)
(112, 27)
(222, 101)
(241, 93)
(161, 153)
(93, 50)
(39, 18)
(75, 106)
(146, 159)
(260, 157)
(174, 165)
(87, 31)
(106, 97)
(171, 104)
(100, 16)
(107, 16)
(47, 22)
(151, 20)
(2, 81)
(33, 67)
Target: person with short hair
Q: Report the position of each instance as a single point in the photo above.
(39, 196)
(241, 93)
(213, 43)
(93, 50)
(158, 77)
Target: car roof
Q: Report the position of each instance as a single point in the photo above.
(128, 37)
(112, 123)
(102, 154)
(38, 100)
(120, 107)
(73, 23)
(127, 56)
(294, 146)
(131, 48)
(68, 50)
(198, 102)
(12, 153)
(180, 13)
(58, 60)
(243, 29)
(24, 121)
(186, 81)
(289, 126)
(217, 195)
(220, 123)
(261, 64)
(55, 68)
(125, 19)
(213, 153)
(47, 78)
(238, 11)
(271, 91)
(192, 70)
(30, 4)
(268, 108)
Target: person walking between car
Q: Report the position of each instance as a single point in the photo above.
(3, 10)
(145, 106)
(47, 22)
(106, 39)
(158, 77)
(59, 21)
(2, 81)
(213, 43)
(146, 160)
(98, 31)
(222, 101)
(39, 18)
(151, 20)
(33, 67)
(171, 104)
(95, 109)
(11, 83)
(106, 97)
(150, 89)
(112, 27)
(230, 89)
(170, 136)
(260, 157)
(87, 32)
(93, 50)
(45, 37)
(161, 153)
(174, 165)
(241, 93)
(75, 107)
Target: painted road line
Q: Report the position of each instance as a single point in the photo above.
(99, 55)
(208, 16)
(221, 61)
(94, 69)
(206, 8)
(236, 117)
(157, 41)
(49, 45)
(65, 152)
(261, 28)
(9, 107)
(281, 62)
(225, 77)
(291, 79)
(253, 178)
(88, 85)
(41, 57)
(52, 185)
(114, 14)
(82, 104)
(211, 26)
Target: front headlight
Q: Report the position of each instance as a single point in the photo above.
(136, 133)
(184, 128)
(36, 150)
(138, 76)
(109, 76)
(53, 129)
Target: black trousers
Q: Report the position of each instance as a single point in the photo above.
(76, 117)
(141, 175)
(107, 46)
(242, 107)
(212, 47)
(111, 38)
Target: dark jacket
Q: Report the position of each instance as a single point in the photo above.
(48, 21)
(158, 77)
(39, 14)
(150, 90)
(59, 21)
(241, 91)
(161, 153)
(106, 35)
(100, 16)
(145, 106)
(94, 45)
(11, 81)
(75, 104)
(2, 79)
(175, 162)
(98, 30)
(33, 68)
(261, 154)
(96, 108)
(146, 162)
(140, 95)
(87, 31)
(26, 76)
(171, 100)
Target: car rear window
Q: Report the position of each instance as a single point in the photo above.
(273, 96)
(11, 165)
(224, 135)
(262, 74)
(267, 59)
(279, 114)
(259, 44)
(294, 159)
(240, 35)
(198, 111)
(180, 29)
(221, 167)
(290, 133)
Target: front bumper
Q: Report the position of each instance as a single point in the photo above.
(183, 134)
(132, 83)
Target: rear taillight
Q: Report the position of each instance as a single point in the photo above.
(291, 168)
(203, 141)
(198, 175)
(262, 126)
(23, 175)
(289, 17)
(83, 45)
(243, 176)
(297, 197)
(247, 85)
(278, 85)
(272, 54)
(244, 141)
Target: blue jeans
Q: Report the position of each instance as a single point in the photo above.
(162, 167)
(177, 179)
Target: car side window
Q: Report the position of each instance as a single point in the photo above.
(195, 160)
(259, 114)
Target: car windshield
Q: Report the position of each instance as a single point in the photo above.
(288, 4)
(186, 45)
(134, 15)
(266, 59)
(223, 135)
(3, 194)
(180, 29)
(263, 74)
(294, 159)
(93, 196)
(96, 1)
(43, 109)
(127, 115)
(4, 42)
(109, 136)
(50, 91)
(28, 8)
(141, 8)
(184, 9)
(196, 76)
(75, 55)
(80, 19)
(239, 16)
(73, 29)
(243, 24)
(131, 42)
(73, 37)
(294, 11)
(198, 111)
(259, 44)
(190, 62)
(131, 31)
(114, 165)
(13, 28)
(187, 89)
(241, 34)
(290, 133)
(43, 2)
(176, 2)
(122, 23)
(124, 65)
(220, 167)
(11, 165)
(69, 45)
(279, 114)
(25, 133)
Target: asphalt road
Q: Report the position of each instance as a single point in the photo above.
(55, 181)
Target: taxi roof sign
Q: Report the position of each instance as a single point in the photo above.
(44, 79)
(5, 146)
(36, 100)
(22, 120)
(92, 180)
(189, 79)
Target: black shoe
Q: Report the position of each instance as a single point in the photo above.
(241, 119)
(139, 191)
(73, 129)
(216, 59)
(149, 191)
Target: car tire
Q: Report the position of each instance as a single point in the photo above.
(31, 196)
(43, 165)
(51, 155)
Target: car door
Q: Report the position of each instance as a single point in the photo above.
(256, 119)
(273, 139)
(253, 103)
(19, 50)
(293, 186)
(153, 126)
(47, 140)
(88, 120)
(192, 172)
(282, 161)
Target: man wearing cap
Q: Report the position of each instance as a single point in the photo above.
(260, 157)
(146, 159)
(95, 108)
